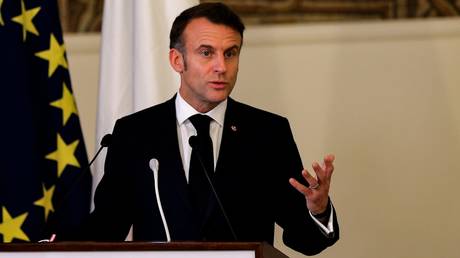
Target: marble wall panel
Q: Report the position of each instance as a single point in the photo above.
(86, 15)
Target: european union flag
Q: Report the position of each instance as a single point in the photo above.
(42, 149)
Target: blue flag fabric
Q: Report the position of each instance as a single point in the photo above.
(42, 187)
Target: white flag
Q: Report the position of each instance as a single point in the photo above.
(135, 71)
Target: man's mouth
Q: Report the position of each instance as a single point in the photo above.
(218, 84)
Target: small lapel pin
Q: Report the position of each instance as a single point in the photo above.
(233, 127)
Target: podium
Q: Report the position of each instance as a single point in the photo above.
(140, 250)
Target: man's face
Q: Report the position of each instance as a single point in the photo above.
(209, 66)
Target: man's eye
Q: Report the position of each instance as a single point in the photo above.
(229, 54)
(206, 53)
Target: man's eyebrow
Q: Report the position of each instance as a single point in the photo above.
(237, 47)
(205, 46)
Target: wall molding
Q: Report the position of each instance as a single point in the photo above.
(313, 33)
(351, 31)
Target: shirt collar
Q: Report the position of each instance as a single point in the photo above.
(184, 111)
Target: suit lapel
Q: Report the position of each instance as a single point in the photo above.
(230, 140)
(229, 144)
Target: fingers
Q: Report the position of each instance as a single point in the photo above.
(312, 183)
(324, 172)
(317, 192)
(323, 177)
(329, 157)
(300, 187)
(328, 164)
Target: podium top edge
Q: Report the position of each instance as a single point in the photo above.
(128, 246)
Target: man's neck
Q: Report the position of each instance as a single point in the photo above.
(184, 110)
(201, 107)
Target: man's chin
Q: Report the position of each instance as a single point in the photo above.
(218, 97)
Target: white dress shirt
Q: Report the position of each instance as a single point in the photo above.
(185, 129)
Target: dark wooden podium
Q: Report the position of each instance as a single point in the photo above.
(139, 250)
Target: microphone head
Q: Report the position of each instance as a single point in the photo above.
(193, 141)
(154, 164)
(106, 140)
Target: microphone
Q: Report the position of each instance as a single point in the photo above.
(105, 142)
(154, 166)
(193, 142)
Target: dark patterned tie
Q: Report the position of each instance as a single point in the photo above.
(199, 188)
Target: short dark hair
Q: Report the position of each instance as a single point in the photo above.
(217, 13)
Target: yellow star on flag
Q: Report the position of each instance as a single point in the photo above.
(64, 154)
(46, 200)
(66, 103)
(11, 227)
(25, 19)
(54, 55)
(1, 19)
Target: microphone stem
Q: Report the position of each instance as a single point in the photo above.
(95, 156)
(81, 175)
(217, 197)
(76, 182)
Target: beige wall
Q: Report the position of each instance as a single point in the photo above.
(83, 56)
(382, 96)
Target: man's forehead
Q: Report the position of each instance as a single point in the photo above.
(201, 30)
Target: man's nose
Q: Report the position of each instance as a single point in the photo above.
(220, 65)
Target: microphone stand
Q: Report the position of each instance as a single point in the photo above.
(105, 142)
(192, 141)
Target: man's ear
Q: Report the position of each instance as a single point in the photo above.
(176, 59)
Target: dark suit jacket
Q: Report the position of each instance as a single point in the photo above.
(257, 157)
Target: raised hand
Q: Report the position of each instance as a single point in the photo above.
(317, 193)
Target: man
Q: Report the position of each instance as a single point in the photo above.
(248, 154)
